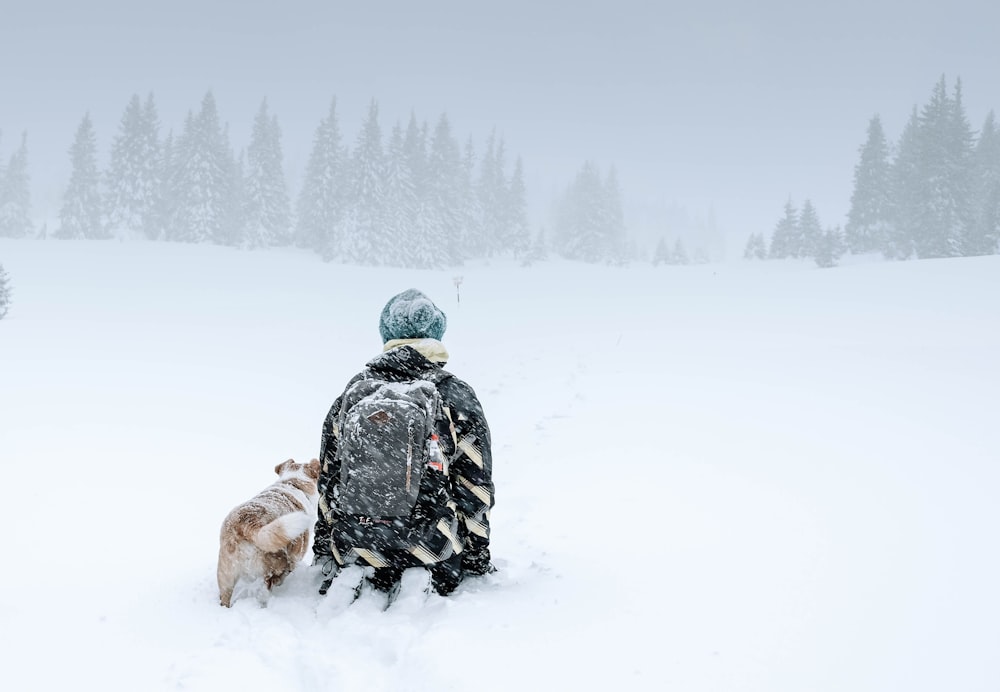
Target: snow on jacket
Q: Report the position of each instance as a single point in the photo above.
(464, 439)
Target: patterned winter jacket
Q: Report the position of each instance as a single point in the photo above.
(465, 441)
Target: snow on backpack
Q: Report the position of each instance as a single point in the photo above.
(385, 433)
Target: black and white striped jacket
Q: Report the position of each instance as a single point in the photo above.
(465, 441)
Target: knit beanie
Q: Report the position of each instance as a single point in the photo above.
(411, 315)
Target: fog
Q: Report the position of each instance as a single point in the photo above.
(724, 107)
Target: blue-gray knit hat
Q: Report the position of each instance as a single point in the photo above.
(411, 315)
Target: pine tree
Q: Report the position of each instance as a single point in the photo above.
(266, 207)
(365, 241)
(491, 188)
(232, 229)
(517, 213)
(158, 226)
(415, 154)
(578, 232)
(5, 291)
(539, 249)
(661, 255)
(679, 255)
(908, 187)
(80, 214)
(984, 230)
(614, 218)
(869, 217)
(400, 200)
(945, 147)
(756, 247)
(471, 213)
(322, 198)
(236, 226)
(440, 246)
(810, 231)
(152, 172)
(133, 177)
(785, 237)
(201, 179)
(589, 220)
(15, 194)
(830, 248)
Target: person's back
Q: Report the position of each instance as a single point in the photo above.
(383, 502)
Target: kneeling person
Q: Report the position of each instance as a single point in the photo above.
(406, 461)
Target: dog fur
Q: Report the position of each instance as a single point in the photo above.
(267, 536)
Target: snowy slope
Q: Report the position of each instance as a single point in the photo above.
(728, 477)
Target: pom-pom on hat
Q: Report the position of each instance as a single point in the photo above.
(411, 315)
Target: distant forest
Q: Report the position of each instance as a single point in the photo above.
(414, 198)
(934, 193)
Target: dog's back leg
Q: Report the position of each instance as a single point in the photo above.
(227, 573)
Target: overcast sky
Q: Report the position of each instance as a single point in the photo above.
(732, 104)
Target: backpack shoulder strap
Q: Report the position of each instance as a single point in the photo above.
(436, 376)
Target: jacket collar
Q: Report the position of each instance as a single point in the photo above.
(431, 349)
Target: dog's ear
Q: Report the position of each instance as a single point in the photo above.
(312, 469)
(280, 468)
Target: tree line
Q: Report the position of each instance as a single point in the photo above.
(415, 197)
(933, 193)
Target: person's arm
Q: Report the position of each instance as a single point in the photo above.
(329, 469)
(471, 476)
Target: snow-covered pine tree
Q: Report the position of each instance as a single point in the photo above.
(491, 188)
(415, 142)
(755, 247)
(760, 247)
(232, 229)
(400, 200)
(589, 221)
(539, 249)
(810, 230)
(5, 291)
(785, 234)
(158, 227)
(579, 235)
(907, 187)
(984, 231)
(364, 236)
(266, 204)
(80, 214)
(679, 255)
(153, 171)
(441, 243)
(15, 194)
(235, 224)
(322, 198)
(869, 217)
(961, 153)
(517, 212)
(830, 247)
(945, 147)
(661, 255)
(614, 218)
(132, 179)
(471, 214)
(201, 172)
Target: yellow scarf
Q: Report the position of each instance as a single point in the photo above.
(431, 349)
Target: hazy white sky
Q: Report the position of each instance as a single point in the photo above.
(730, 103)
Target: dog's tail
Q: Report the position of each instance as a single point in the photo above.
(279, 533)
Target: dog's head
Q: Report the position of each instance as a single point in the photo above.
(290, 468)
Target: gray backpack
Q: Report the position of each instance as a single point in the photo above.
(385, 428)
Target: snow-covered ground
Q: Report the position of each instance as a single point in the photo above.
(726, 477)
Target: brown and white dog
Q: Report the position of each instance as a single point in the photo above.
(266, 537)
